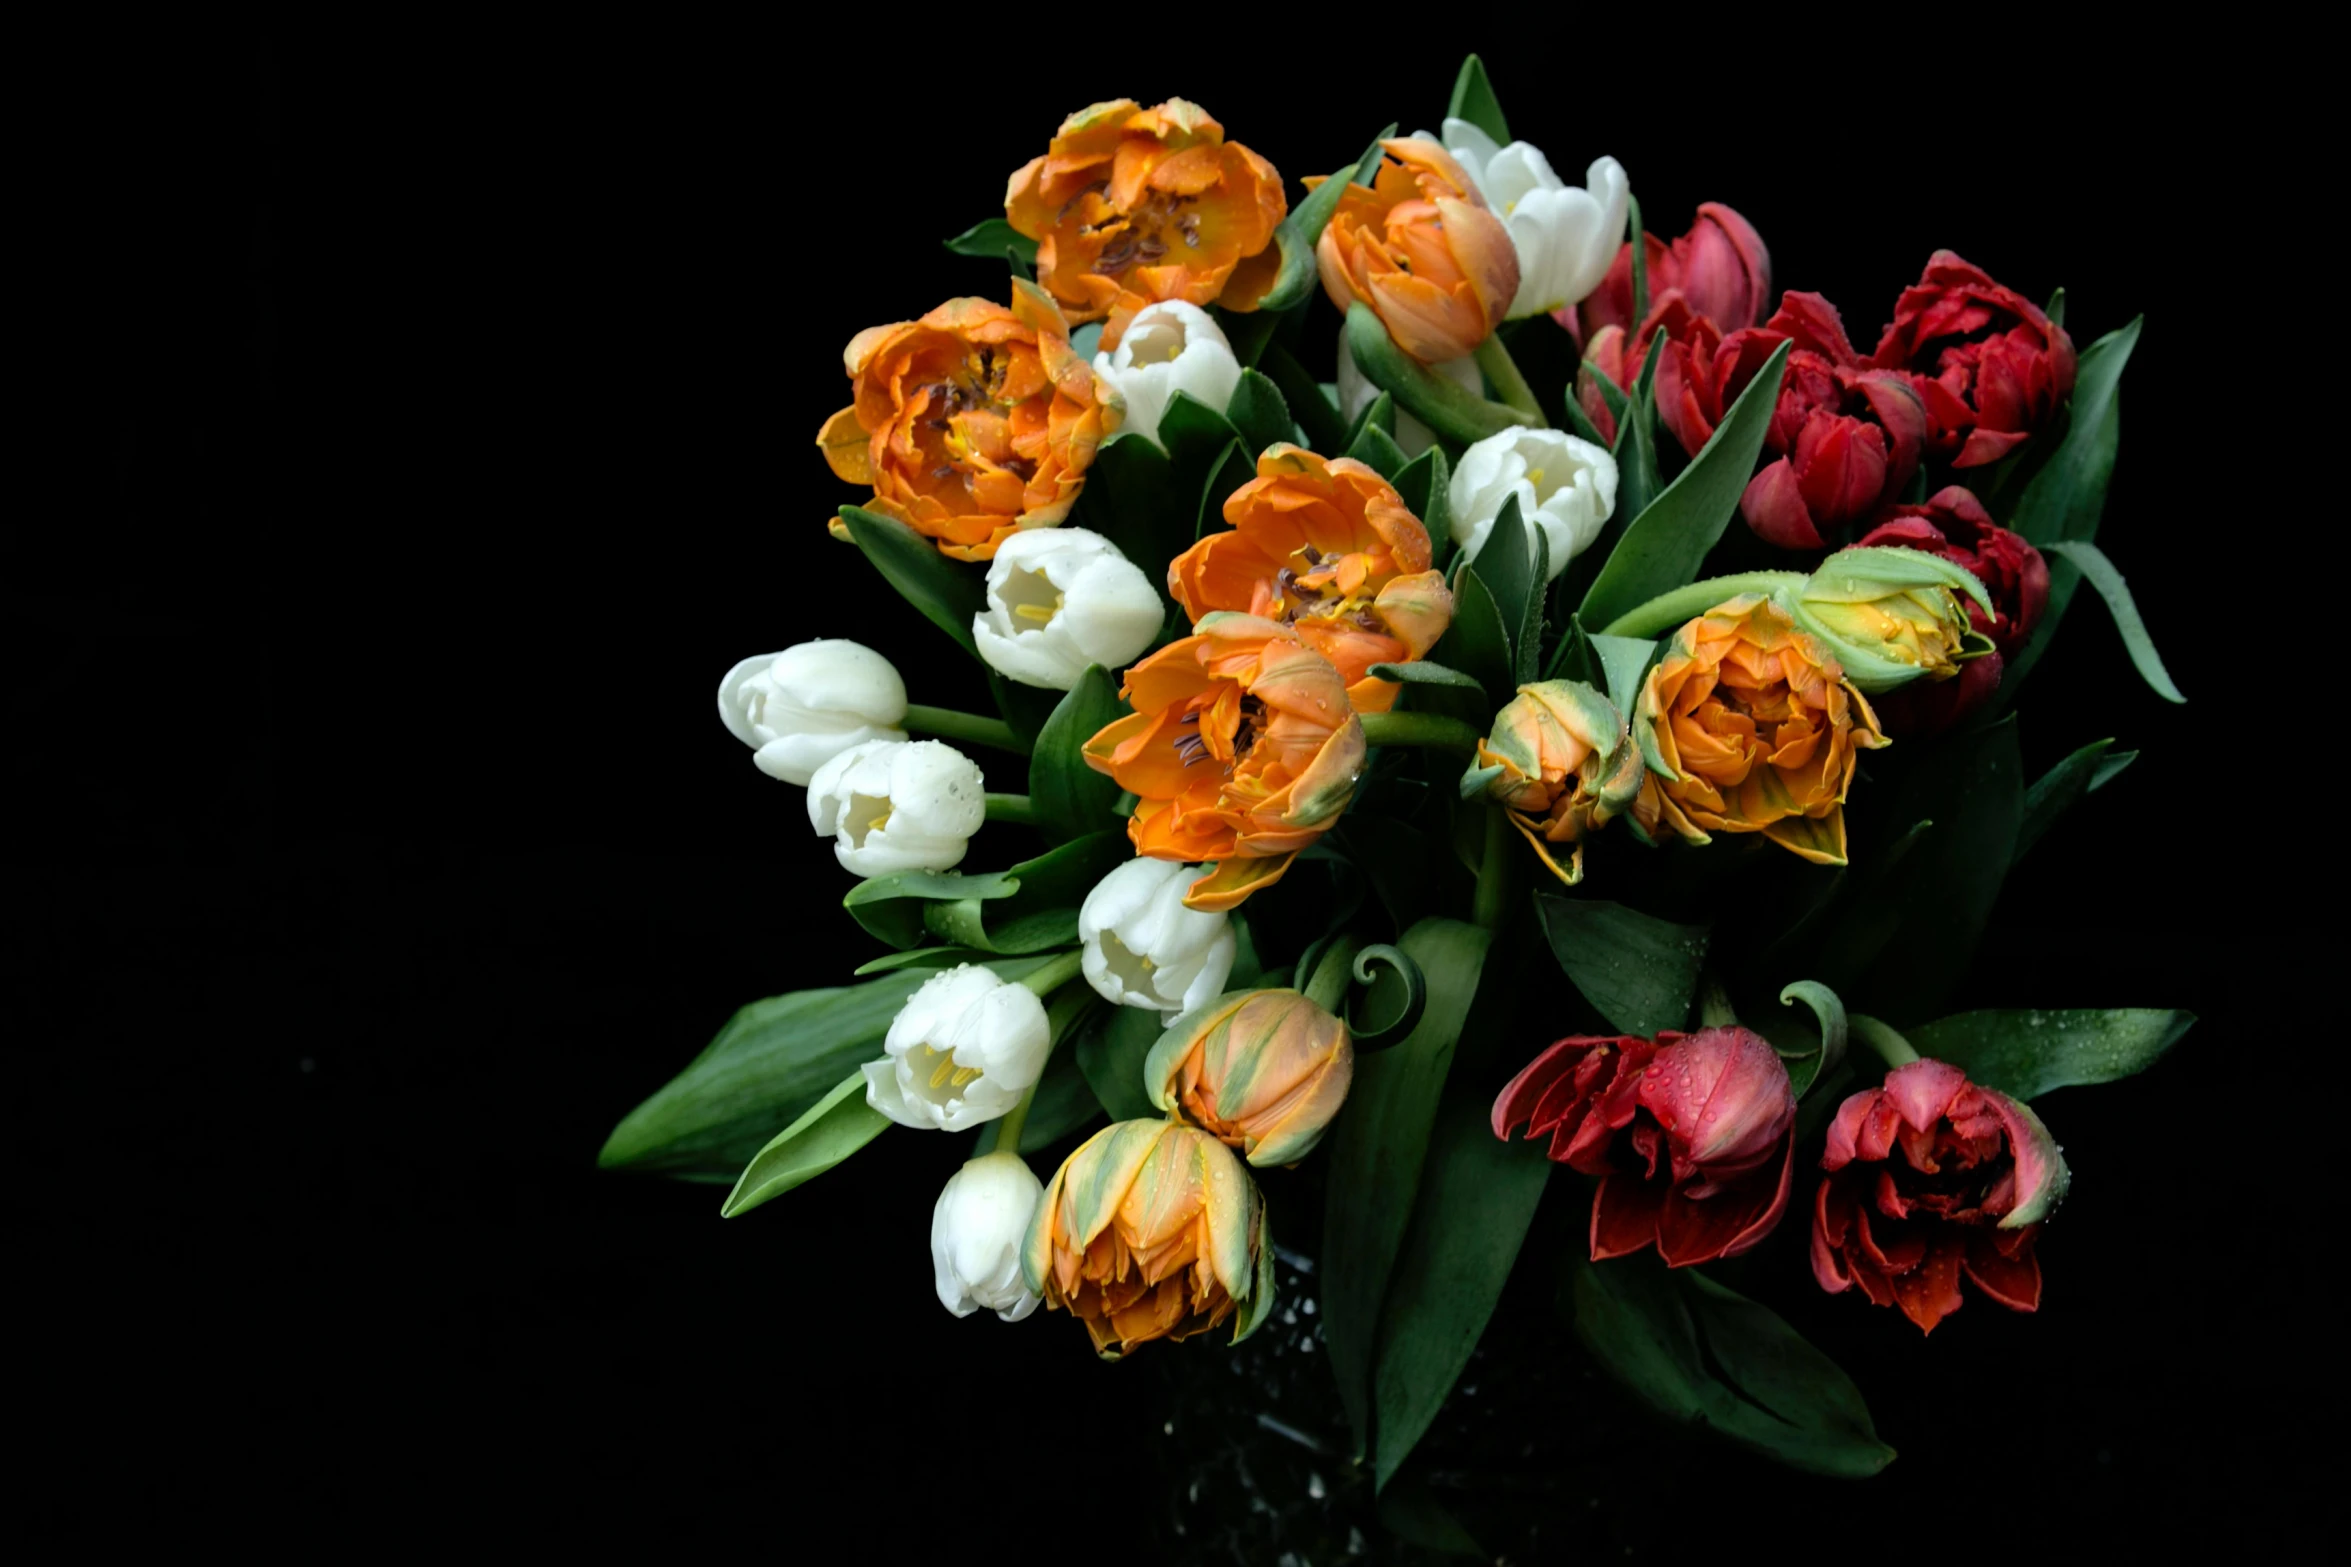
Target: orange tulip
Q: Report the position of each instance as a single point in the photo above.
(1423, 250)
(1327, 547)
(1568, 767)
(1758, 728)
(1241, 749)
(1131, 206)
(1151, 1230)
(971, 424)
(1261, 1071)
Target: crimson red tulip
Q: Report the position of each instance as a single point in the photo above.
(1692, 1135)
(1849, 435)
(1720, 268)
(1990, 367)
(1931, 1177)
(1954, 525)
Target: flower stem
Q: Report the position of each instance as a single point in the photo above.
(1714, 1004)
(971, 728)
(1332, 973)
(1494, 359)
(1888, 1046)
(1066, 1008)
(1493, 896)
(1052, 976)
(1012, 808)
(1429, 730)
(1640, 258)
(1668, 610)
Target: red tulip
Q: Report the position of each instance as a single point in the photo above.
(1988, 364)
(1850, 435)
(1932, 1176)
(1692, 1136)
(1720, 268)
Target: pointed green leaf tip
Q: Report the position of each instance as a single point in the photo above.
(1474, 101)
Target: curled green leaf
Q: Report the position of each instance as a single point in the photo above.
(1413, 1002)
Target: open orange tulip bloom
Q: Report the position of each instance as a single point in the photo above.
(1423, 250)
(1327, 547)
(973, 423)
(1761, 725)
(1131, 206)
(1241, 749)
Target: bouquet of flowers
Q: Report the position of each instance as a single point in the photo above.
(1577, 741)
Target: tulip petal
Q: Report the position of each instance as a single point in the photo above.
(1624, 1215)
(2015, 1282)
(1233, 880)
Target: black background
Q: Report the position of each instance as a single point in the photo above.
(435, 419)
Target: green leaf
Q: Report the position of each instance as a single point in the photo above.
(1474, 101)
(1376, 1152)
(886, 905)
(1377, 450)
(1640, 971)
(1706, 1356)
(1025, 708)
(1043, 912)
(1070, 798)
(1944, 889)
(835, 1127)
(920, 957)
(1232, 470)
(2067, 495)
(1579, 422)
(990, 238)
(1625, 660)
(1300, 275)
(1260, 413)
(1506, 562)
(1421, 672)
(2111, 768)
(1193, 434)
(1668, 539)
(1065, 1102)
(1639, 258)
(2093, 564)
(2056, 308)
(1111, 1047)
(2055, 792)
(1477, 1196)
(1317, 415)
(1409, 1510)
(1134, 498)
(1379, 414)
(1827, 1043)
(1455, 414)
(2027, 1053)
(1478, 641)
(948, 592)
(1425, 487)
(1637, 482)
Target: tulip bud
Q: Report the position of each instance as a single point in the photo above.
(1565, 485)
(1151, 1230)
(1261, 1070)
(1060, 599)
(1931, 1177)
(898, 805)
(976, 1233)
(1143, 948)
(1568, 766)
(1565, 237)
(962, 1050)
(800, 708)
(1168, 348)
(1891, 615)
(1357, 392)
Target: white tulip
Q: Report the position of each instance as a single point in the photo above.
(1566, 238)
(976, 1234)
(898, 805)
(1565, 486)
(1168, 348)
(962, 1050)
(800, 708)
(1143, 948)
(1060, 599)
(1356, 393)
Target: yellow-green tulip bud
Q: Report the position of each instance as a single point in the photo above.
(1890, 616)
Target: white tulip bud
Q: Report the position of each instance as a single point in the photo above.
(1565, 486)
(1060, 599)
(976, 1233)
(1168, 348)
(800, 708)
(962, 1050)
(898, 805)
(1356, 393)
(1566, 238)
(1143, 948)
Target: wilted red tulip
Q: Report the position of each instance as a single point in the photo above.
(1849, 435)
(1932, 1176)
(1988, 364)
(1692, 1136)
(1720, 267)
(1954, 525)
